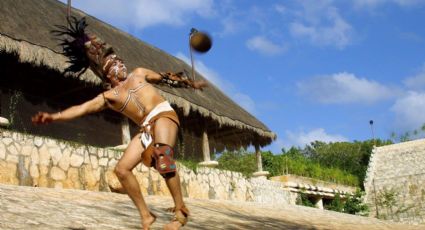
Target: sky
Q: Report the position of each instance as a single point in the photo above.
(308, 69)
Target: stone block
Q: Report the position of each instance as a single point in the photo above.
(103, 161)
(44, 156)
(56, 154)
(43, 181)
(97, 174)
(12, 158)
(57, 174)
(35, 159)
(8, 173)
(34, 172)
(26, 150)
(38, 141)
(50, 142)
(112, 180)
(86, 158)
(143, 182)
(7, 141)
(65, 161)
(58, 185)
(112, 163)
(13, 150)
(62, 145)
(76, 160)
(94, 161)
(90, 181)
(2, 152)
(163, 189)
(73, 179)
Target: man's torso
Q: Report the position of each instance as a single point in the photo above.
(134, 98)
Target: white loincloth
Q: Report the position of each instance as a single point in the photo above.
(146, 136)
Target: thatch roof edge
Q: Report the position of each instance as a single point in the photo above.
(39, 55)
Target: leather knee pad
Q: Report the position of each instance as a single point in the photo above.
(164, 162)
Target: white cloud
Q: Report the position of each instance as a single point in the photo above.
(144, 13)
(244, 100)
(417, 81)
(410, 111)
(301, 138)
(345, 88)
(375, 3)
(409, 2)
(280, 8)
(264, 46)
(368, 3)
(322, 24)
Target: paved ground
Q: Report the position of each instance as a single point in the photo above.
(43, 208)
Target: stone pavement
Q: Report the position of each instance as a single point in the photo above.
(45, 208)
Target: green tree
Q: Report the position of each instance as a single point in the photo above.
(354, 204)
(239, 161)
(303, 200)
(351, 157)
(272, 163)
(336, 204)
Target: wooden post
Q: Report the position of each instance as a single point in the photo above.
(260, 173)
(206, 151)
(259, 160)
(125, 129)
(205, 146)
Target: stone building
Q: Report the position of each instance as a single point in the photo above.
(395, 182)
(31, 80)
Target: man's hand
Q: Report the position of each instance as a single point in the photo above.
(42, 118)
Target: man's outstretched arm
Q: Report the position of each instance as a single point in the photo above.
(173, 80)
(95, 105)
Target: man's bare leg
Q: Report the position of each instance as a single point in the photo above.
(123, 170)
(173, 184)
(166, 133)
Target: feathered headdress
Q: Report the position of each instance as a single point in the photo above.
(74, 44)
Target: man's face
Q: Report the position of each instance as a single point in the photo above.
(117, 71)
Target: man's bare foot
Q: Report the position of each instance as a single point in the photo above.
(148, 221)
(174, 225)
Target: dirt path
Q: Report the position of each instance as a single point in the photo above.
(43, 208)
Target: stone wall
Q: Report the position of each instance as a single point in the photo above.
(272, 192)
(395, 182)
(39, 161)
(312, 186)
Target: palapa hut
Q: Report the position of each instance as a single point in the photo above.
(31, 79)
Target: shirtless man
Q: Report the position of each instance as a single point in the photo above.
(133, 96)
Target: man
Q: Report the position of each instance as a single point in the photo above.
(133, 96)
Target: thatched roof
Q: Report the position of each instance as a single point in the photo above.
(25, 29)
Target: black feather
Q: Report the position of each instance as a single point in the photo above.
(72, 39)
